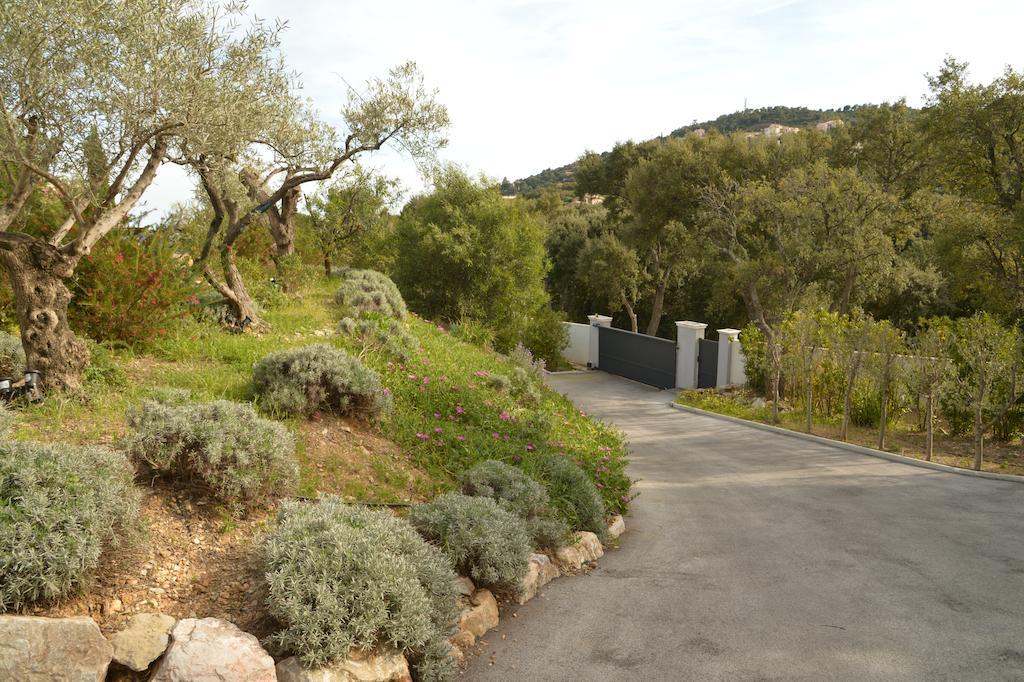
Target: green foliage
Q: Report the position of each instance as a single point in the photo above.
(755, 354)
(546, 336)
(365, 291)
(319, 378)
(131, 289)
(239, 457)
(482, 540)
(61, 507)
(12, 356)
(341, 577)
(377, 332)
(520, 495)
(464, 252)
(573, 493)
(473, 332)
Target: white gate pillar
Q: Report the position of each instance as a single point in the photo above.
(728, 354)
(687, 335)
(595, 322)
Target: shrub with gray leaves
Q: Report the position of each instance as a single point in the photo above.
(238, 456)
(483, 541)
(382, 334)
(61, 506)
(319, 378)
(369, 291)
(573, 494)
(12, 356)
(341, 576)
(520, 495)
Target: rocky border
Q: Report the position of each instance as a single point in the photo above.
(159, 648)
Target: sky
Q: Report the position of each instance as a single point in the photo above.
(531, 84)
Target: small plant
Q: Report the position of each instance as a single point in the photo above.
(238, 456)
(12, 356)
(474, 332)
(61, 506)
(380, 333)
(499, 382)
(483, 541)
(520, 495)
(366, 291)
(573, 494)
(319, 378)
(341, 577)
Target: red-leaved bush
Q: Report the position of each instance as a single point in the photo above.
(131, 289)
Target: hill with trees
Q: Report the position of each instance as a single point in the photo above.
(747, 120)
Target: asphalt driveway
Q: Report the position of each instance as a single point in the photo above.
(755, 556)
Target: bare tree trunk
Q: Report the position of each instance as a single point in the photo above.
(851, 379)
(809, 397)
(657, 306)
(882, 416)
(37, 272)
(327, 265)
(929, 437)
(631, 313)
(979, 438)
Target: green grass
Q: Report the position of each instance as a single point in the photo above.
(450, 381)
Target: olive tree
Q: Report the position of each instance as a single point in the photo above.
(610, 272)
(850, 342)
(93, 99)
(889, 344)
(800, 338)
(354, 204)
(987, 361)
(927, 370)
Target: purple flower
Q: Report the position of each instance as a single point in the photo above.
(529, 447)
(495, 434)
(422, 436)
(505, 416)
(460, 438)
(600, 485)
(387, 391)
(438, 430)
(459, 409)
(437, 415)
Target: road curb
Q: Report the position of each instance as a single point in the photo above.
(850, 447)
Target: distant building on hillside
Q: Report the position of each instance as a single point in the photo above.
(699, 132)
(777, 129)
(831, 124)
(590, 199)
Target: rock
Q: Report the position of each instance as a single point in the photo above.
(758, 403)
(465, 586)
(586, 548)
(616, 527)
(542, 571)
(59, 649)
(477, 619)
(143, 641)
(358, 667)
(211, 649)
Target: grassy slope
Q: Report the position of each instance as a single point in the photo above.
(383, 462)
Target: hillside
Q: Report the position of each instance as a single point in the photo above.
(748, 120)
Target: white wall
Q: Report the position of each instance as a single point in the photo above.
(578, 350)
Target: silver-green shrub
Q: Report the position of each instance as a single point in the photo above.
(238, 456)
(382, 334)
(573, 494)
(366, 291)
(319, 378)
(341, 576)
(61, 506)
(12, 356)
(520, 495)
(483, 541)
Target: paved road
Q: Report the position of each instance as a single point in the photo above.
(752, 555)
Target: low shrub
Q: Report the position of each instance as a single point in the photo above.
(474, 332)
(319, 378)
(547, 336)
(483, 541)
(239, 457)
(369, 291)
(61, 506)
(520, 495)
(12, 356)
(341, 576)
(573, 494)
(382, 334)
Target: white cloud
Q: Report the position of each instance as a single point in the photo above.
(531, 84)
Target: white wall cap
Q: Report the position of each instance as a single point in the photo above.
(691, 325)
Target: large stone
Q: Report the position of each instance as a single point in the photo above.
(542, 571)
(360, 666)
(465, 586)
(616, 527)
(478, 618)
(143, 641)
(213, 650)
(59, 649)
(586, 548)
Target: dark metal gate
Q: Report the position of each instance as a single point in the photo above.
(646, 359)
(707, 363)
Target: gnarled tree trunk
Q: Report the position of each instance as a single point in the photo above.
(37, 272)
